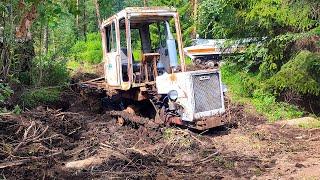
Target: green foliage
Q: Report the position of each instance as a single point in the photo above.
(269, 55)
(16, 110)
(271, 14)
(301, 74)
(268, 67)
(266, 104)
(5, 92)
(241, 83)
(246, 88)
(185, 12)
(35, 97)
(221, 19)
(88, 51)
(278, 52)
(76, 66)
(46, 72)
(252, 58)
(255, 18)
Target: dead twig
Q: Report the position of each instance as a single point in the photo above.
(25, 136)
(188, 133)
(66, 113)
(33, 138)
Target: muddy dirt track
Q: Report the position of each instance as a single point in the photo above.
(80, 141)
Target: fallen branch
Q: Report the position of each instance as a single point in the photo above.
(33, 138)
(25, 136)
(66, 113)
(6, 114)
(14, 163)
(24, 161)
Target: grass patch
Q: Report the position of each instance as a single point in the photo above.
(223, 162)
(177, 137)
(76, 66)
(310, 123)
(244, 88)
(36, 97)
(188, 60)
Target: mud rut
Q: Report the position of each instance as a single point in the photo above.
(80, 141)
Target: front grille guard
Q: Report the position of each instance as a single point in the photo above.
(208, 95)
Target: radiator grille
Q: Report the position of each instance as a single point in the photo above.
(207, 92)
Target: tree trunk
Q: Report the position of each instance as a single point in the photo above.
(23, 50)
(23, 30)
(77, 21)
(84, 21)
(97, 12)
(194, 4)
(46, 38)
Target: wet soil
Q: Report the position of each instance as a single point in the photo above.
(78, 140)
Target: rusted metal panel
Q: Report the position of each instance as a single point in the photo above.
(208, 123)
(201, 50)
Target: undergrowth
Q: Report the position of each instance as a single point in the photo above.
(244, 88)
(300, 74)
(5, 92)
(36, 97)
(89, 51)
(76, 66)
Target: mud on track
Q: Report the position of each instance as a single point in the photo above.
(82, 142)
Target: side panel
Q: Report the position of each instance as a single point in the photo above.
(112, 69)
(112, 61)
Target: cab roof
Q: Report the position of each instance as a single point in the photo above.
(147, 12)
(154, 9)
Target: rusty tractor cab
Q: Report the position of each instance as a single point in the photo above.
(144, 62)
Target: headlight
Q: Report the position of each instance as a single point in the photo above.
(173, 95)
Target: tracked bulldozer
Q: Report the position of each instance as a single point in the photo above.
(145, 77)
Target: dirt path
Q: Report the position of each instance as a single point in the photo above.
(82, 142)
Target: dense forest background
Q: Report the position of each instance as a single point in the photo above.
(44, 43)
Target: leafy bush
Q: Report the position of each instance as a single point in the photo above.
(48, 72)
(301, 74)
(5, 92)
(35, 97)
(88, 51)
(242, 83)
(266, 104)
(246, 88)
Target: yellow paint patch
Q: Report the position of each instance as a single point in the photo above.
(173, 77)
